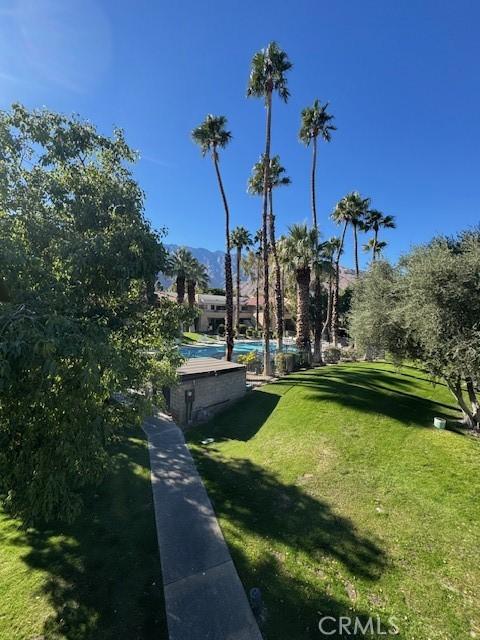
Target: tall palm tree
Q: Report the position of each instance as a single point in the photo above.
(267, 75)
(315, 123)
(374, 221)
(276, 178)
(197, 276)
(239, 238)
(374, 246)
(329, 251)
(211, 136)
(298, 251)
(180, 263)
(340, 216)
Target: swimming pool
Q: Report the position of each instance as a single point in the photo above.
(218, 351)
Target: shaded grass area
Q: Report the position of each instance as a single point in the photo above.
(336, 496)
(99, 579)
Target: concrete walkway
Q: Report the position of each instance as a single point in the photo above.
(204, 598)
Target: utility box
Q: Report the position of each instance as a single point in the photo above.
(205, 387)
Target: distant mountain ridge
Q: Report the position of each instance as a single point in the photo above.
(215, 263)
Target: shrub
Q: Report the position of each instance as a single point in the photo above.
(250, 332)
(350, 354)
(221, 329)
(331, 355)
(242, 329)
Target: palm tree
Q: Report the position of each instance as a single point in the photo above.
(240, 238)
(267, 75)
(375, 246)
(340, 215)
(197, 276)
(211, 136)
(276, 178)
(298, 251)
(376, 220)
(180, 263)
(316, 122)
(329, 251)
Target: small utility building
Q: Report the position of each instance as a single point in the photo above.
(206, 386)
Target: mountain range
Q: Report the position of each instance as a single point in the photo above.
(215, 263)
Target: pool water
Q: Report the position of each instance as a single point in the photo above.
(218, 351)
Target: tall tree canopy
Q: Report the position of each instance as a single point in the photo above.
(77, 319)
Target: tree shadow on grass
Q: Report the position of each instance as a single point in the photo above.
(307, 532)
(241, 421)
(374, 393)
(104, 577)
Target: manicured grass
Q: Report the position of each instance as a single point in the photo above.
(191, 337)
(336, 496)
(97, 580)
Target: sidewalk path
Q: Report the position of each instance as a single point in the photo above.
(204, 598)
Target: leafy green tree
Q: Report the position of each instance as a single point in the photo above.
(298, 253)
(79, 326)
(276, 178)
(239, 239)
(315, 123)
(267, 75)
(427, 309)
(211, 136)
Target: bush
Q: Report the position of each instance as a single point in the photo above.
(331, 355)
(221, 329)
(350, 354)
(242, 329)
(250, 332)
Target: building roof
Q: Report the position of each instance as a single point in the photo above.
(200, 367)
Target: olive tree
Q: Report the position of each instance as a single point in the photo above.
(427, 308)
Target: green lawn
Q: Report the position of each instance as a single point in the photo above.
(97, 580)
(336, 496)
(190, 337)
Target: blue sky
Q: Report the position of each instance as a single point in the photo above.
(402, 79)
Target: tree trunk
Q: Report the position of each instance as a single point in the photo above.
(355, 240)
(180, 289)
(336, 290)
(228, 266)
(326, 329)
(375, 241)
(317, 289)
(191, 286)
(474, 402)
(468, 418)
(278, 280)
(266, 292)
(237, 320)
(303, 316)
(257, 302)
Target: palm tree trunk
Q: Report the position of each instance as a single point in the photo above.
(278, 280)
(326, 329)
(228, 266)
(257, 306)
(355, 239)
(317, 305)
(180, 289)
(191, 286)
(303, 315)
(336, 290)
(266, 293)
(375, 240)
(237, 320)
